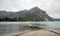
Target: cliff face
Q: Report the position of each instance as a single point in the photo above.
(34, 14)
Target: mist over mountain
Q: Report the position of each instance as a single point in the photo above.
(34, 14)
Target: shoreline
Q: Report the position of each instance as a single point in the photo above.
(31, 31)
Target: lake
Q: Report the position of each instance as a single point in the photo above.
(11, 27)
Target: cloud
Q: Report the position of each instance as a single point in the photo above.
(52, 7)
(15, 4)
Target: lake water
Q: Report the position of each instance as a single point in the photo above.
(11, 27)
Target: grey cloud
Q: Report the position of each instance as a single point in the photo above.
(52, 7)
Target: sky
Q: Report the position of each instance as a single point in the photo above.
(52, 7)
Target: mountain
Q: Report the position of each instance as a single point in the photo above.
(34, 14)
(57, 19)
(38, 14)
(22, 13)
(4, 14)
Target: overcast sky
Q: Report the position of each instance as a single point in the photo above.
(52, 7)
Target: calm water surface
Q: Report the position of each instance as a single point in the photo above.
(10, 27)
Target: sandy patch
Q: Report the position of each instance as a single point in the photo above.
(40, 33)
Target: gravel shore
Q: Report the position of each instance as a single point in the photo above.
(39, 33)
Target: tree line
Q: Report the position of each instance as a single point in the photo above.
(13, 19)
